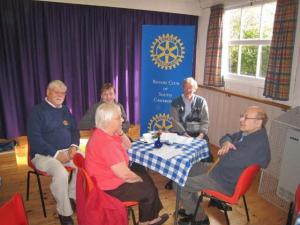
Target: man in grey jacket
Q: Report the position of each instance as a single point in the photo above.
(248, 146)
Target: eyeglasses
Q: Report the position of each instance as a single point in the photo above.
(243, 116)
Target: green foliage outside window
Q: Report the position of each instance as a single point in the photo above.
(250, 32)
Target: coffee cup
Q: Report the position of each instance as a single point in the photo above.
(147, 137)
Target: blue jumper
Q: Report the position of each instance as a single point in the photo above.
(50, 129)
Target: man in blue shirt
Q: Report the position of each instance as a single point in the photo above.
(54, 138)
(239, 150)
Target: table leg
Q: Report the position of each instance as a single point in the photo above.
(178, 192)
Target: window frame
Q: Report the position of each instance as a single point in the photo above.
(260, 42)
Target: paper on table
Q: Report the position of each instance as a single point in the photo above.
(166, 152)
(174, 138)
(65, 150)
(183, 140)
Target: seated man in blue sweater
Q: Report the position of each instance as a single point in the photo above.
(248, 146)
(51, 128)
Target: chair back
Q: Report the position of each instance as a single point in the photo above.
(87, 182)
(245, 180)
(78, 160)
(13, 212)
(30, 164)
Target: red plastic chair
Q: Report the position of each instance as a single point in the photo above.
(39, 173)
(79, 161)
(294, 209)
(13, 212)
(297, 200)
(244, 182)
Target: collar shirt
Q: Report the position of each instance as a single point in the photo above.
(59, 107)
(188, 106)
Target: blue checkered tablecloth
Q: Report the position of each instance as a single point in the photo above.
(176, 168)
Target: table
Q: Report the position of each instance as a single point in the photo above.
(176, 168)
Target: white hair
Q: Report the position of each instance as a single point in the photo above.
(191, 81)
(105, 113)
(57, 83)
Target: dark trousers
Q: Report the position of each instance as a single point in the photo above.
(143, 192)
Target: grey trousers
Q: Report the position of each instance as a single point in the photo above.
(197, 180)
(60, 188)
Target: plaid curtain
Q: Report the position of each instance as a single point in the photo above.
(212, 70)
(277, 83)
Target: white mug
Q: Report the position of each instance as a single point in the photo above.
(147, 137)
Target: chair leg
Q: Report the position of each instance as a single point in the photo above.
(41, 194)
(133, 216)
(197, 207)
(290, 214)
(226, 217)
(70, 176)
(246, 208)
(28, 183)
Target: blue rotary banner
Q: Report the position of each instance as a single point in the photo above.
(167, 58)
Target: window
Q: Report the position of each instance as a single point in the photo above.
(247, 38)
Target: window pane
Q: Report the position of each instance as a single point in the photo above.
(249, 60)
(267, 20)
(250, 22)
(233, 58)
(234, 23)
(265, 51)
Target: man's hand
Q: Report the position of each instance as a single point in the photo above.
(63, 157)
(72, 151)
(227, 145)
(200, 136)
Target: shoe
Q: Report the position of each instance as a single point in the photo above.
(65, 220)
(182, 213)
(73, 204)
(163, 219)
(185, 221)
(169, 185)
(219, 204)
(188, 221)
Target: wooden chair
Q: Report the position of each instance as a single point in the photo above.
(244, 182)
(79, 162)
(39, 173)
(13, 212)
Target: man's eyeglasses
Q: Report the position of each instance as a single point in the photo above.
(243, 116)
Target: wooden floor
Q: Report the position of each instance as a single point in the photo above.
(13, 170)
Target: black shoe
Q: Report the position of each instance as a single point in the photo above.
(219, 204)
(73, 204)
(169, 185)
(185, 221)
(65, 220)
(188, 221)
(182, 213)
(163, 219)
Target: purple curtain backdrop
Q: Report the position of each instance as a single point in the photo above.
(85, 46)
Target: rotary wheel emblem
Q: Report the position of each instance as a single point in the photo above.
(160, 122)
(167, 51)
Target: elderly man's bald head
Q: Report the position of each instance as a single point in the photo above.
(253, 119)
